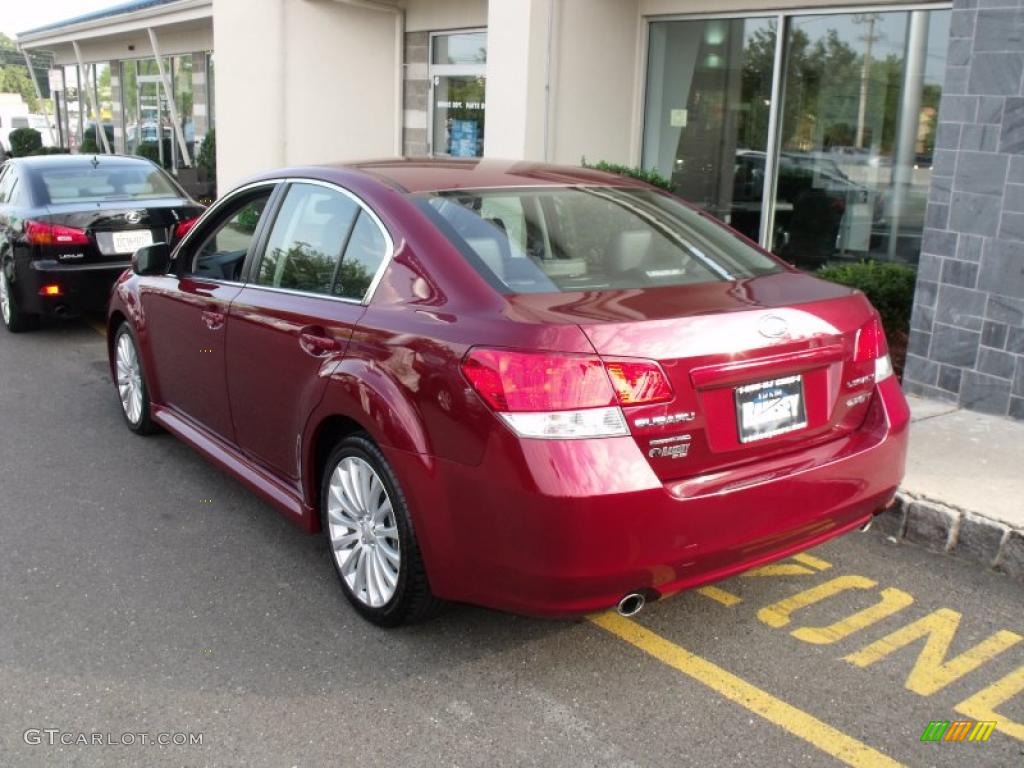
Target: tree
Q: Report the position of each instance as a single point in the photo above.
(14, 75)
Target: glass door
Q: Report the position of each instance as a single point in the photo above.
(457, 94)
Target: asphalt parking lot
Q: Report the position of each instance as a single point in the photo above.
(143, 592)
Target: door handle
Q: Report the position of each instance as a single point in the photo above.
(315, 341)
(213, 320)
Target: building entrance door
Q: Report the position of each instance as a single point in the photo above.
(458, 63)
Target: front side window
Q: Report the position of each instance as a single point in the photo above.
(589, 238)
(222, 253)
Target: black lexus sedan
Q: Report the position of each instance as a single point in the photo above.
(69, 225)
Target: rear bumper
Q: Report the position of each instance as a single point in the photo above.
(569, 527)
(82, 286)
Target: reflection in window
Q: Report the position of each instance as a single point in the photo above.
(459, 48)
(222, 253)
(305, 245)
(363, 255)
(858, 130)
(856, 126)
(708, 104)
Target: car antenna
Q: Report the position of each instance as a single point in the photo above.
(95, 162)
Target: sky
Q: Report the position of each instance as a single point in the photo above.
(20, 15)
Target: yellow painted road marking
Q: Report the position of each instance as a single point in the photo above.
(777, 614)
(720, 596)
(931, 672)
(893, 601)
(97, 326)
(982, 705)
(795, 721)
(811, 560)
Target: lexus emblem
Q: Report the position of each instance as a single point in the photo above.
(134, 217)
(773, 327)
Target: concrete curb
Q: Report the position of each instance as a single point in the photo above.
(942, 528)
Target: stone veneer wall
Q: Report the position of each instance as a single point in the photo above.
(967, 330)
(417, 91)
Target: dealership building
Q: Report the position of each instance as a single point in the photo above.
(829, 132)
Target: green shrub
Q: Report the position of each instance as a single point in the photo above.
(651, 177)
(25, 141)
(207, 158)
(890, 287)
(89, 147)
(51, 151)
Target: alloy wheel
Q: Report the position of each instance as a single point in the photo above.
(364, 532)
(129, 378)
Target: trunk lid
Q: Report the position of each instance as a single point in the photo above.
(115, 229)
(714, 339)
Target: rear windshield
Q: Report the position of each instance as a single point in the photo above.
(138, 181)
(589, 238)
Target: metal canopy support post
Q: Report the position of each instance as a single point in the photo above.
(169, 94)
(771, 165)
(39, 95)
(91, 90)
(909, 122)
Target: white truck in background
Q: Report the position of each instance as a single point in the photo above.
(14, 114)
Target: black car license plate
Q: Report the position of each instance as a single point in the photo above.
(768, 408)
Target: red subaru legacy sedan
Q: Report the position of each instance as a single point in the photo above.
(546, 390)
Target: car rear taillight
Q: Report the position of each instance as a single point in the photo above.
(552, 395)
(638, 382)
(871, 346)
(182, 227)
(51, 289)
(44, 233)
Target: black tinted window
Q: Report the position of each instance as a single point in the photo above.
(590, 238)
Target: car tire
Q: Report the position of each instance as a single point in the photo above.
(371, 536)
(130, 380)
(14, 319)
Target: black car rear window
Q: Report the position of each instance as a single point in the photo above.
(589, 238)
(104, 182)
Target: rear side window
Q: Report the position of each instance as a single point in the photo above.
(305, 245)
(589, 238)
(104, 181)
(322, 242)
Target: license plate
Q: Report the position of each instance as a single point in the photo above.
(768, 408)
(131, 241)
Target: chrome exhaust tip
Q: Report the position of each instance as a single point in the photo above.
(631, 604)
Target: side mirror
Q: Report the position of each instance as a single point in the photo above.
(152, 259)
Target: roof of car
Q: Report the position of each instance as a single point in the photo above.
(441, 174)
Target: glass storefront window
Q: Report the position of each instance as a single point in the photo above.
(707, 112)
(183, 101)
(855, 128)
(459, 48)
(210, 110)
(857, 131)
(69, 108)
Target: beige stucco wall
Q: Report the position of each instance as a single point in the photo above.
(434, 15)
(307, 81)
